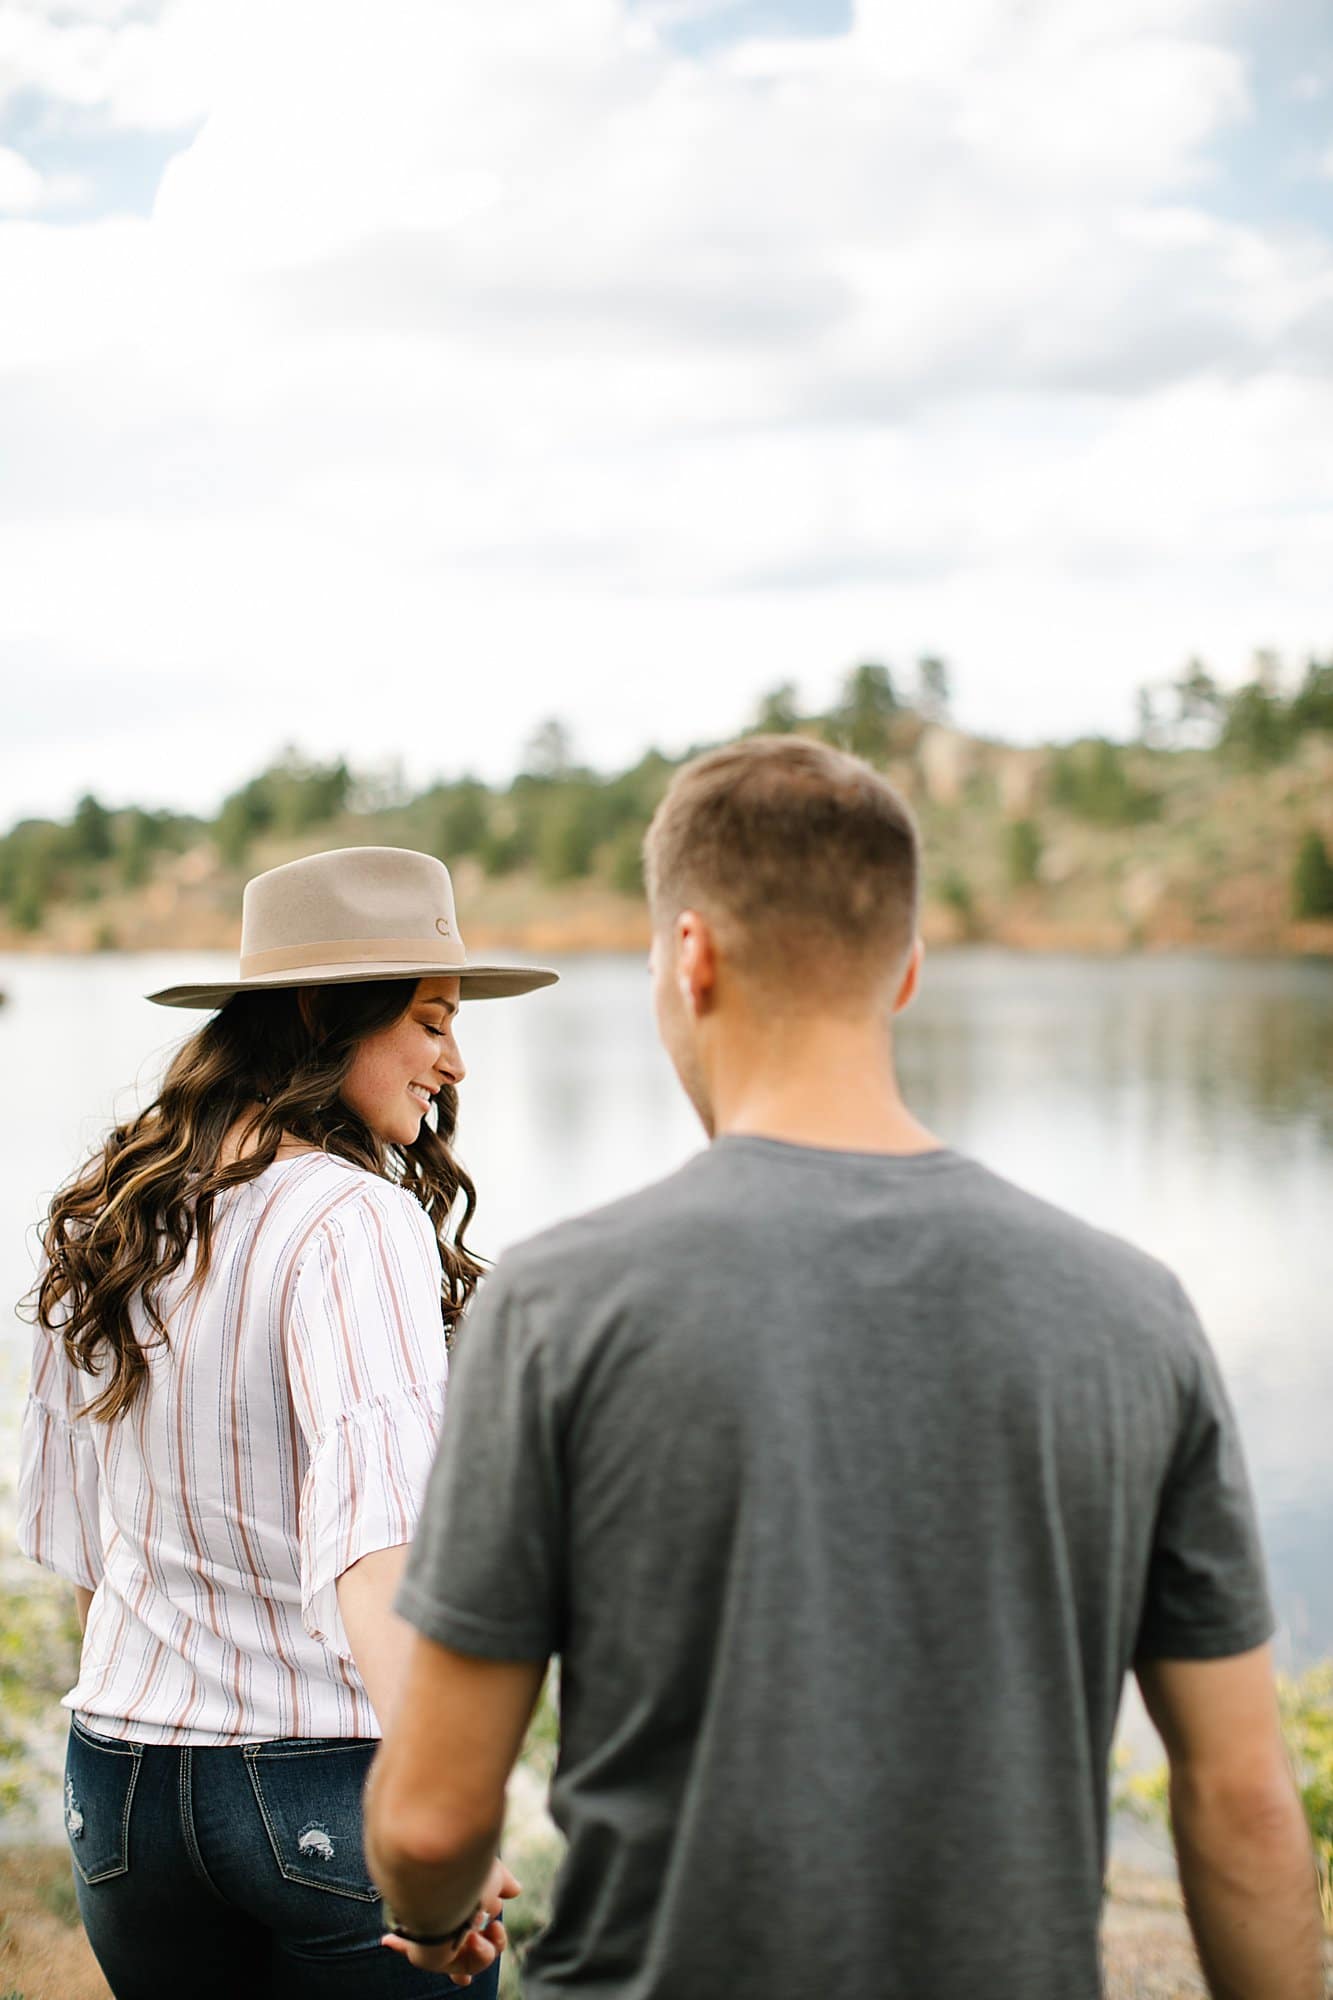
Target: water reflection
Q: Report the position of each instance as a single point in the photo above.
(1186, 1104)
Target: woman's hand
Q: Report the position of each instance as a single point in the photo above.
(478, 1948)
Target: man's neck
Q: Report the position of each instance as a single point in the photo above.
(820, 1082)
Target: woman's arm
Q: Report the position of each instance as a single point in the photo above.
(380, 1640)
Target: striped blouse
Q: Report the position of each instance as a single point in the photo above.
(286, 1430)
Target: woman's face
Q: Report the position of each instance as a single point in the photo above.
(397, 1071)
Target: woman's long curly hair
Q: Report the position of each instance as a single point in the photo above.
(119, 1230)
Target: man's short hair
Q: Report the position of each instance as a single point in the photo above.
(805, 859)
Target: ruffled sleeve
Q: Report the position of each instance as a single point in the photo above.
(58, 1492)
(368, 1365)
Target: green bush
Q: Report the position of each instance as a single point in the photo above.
(1312, 706)
(1091, 781)
(39, 1653)
(778, 713)
(137, 841)
(569, 833)
(1312, 879)
(1258, 727)
(624, 863)
(28, 904)
(956, 893)
(89, 836)
(465, 812)
(867, 706)
(1023, 850)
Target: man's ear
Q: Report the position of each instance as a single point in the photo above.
(696, 961)
(910, 978)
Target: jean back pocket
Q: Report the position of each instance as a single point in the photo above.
(309, 1797)
(100, 1776)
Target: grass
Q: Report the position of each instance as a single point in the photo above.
(43, 1952)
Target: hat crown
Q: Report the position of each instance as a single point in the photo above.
(354, 913)
(350, 895)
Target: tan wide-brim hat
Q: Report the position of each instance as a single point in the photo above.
(354, 914)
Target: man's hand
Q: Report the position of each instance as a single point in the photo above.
(435, 1798)
(478, 1948)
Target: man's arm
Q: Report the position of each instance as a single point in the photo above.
(1246, 1865)
(435, 1800)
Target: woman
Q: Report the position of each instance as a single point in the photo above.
(238, 1378)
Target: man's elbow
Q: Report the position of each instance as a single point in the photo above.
(1256, 1807)
(429, 1832)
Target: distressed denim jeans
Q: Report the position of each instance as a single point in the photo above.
(233, 1874)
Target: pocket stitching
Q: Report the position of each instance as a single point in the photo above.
(119, 1746)
(122, 1866)
(265, 1753)
(288, 1873)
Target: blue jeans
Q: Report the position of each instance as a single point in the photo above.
(221, 1873)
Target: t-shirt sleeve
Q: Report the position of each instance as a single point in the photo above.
(1207, 1596)
(485, 1575)
(368, 1366)
(58, 1522)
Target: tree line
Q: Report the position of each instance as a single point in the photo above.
(566, 822)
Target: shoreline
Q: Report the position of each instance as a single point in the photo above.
(1314, 949)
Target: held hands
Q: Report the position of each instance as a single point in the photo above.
(478, 1948)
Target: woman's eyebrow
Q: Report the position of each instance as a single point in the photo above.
(449, 1007)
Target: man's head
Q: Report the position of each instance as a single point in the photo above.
(783, 881)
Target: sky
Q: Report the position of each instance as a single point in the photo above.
(387, 376)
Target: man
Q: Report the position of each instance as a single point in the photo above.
(847, 1481)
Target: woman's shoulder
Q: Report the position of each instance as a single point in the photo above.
(334, 1193)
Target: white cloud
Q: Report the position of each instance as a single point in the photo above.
(21, 185)
(478, 362)
(145, 64)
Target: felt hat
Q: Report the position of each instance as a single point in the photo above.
(354, 914)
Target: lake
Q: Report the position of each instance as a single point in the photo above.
(1185, 1103)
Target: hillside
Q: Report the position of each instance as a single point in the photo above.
(1090, 847)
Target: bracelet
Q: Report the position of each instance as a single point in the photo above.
(451, 1938)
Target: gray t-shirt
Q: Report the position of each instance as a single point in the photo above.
(847, 1487)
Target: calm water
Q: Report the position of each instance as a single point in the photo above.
(1186, 1104)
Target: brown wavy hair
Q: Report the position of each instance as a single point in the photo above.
(278, 1059)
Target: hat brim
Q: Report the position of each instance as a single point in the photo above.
(477, 982)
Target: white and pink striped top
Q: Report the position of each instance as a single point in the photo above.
(287, 1429)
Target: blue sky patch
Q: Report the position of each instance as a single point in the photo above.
(106, 170)
(1277, 167)
(713, 24)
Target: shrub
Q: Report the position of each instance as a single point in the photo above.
(624, 864)
(39, 1650)
(464, 817)
(956, 893)
(1312, 879)
(1312, 706)
(1258, 728)
(1090, 780)
(1023, 845)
